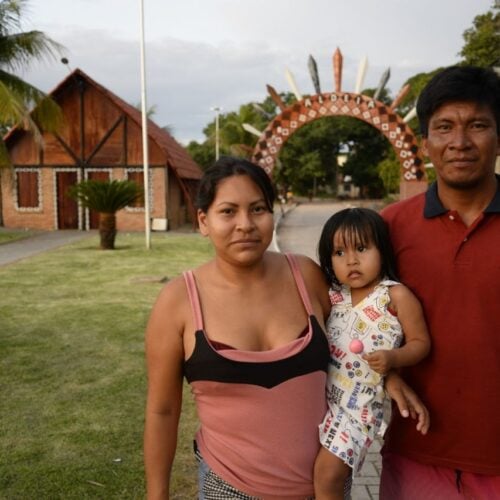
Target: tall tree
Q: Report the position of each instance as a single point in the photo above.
(233, 139)
(367, 147)
(417, 83)
(482, 40)
(389, 171)
(20, 102)
(308, 159)
(202, 153)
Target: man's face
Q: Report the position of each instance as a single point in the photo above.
(462, 144)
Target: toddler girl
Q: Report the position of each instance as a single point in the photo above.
(376, 324)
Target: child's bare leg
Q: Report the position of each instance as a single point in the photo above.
(330, 475)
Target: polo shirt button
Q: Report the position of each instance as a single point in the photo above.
(465, 239)
(452, 217)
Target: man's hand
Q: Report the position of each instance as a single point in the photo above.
(408, 402)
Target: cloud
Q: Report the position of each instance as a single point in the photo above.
(226, 54)
(184, 79)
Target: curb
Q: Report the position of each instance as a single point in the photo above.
(274, 246)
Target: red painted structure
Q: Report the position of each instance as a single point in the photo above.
(375, 113)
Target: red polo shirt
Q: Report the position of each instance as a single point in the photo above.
(455, 272)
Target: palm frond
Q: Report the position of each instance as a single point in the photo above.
(4, 156)
(29, 93)
(10, 15)
(18, 50)
(13, 111)
(106, 197)
(18, 98)
(48, 115)
(21, 103)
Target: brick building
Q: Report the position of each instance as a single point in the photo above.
(101, 138)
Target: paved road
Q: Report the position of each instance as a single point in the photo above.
(298, 231)
(21, 249)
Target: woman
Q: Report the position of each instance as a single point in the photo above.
(247, 331)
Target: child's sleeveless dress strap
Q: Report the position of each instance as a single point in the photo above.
(299, 280)
(194, 299)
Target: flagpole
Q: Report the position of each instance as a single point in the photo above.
(147, 221)
(217, 110)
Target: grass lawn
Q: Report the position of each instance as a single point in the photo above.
(9, 236)
(73, 373)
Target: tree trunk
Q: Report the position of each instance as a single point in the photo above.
(107, 230)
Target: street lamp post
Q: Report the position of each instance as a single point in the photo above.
(217, 110)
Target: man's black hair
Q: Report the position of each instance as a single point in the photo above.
(459, 83)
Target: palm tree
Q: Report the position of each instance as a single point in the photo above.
(18, 98)
(106, 198)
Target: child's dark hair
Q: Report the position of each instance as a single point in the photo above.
(225, 167)
(357, 225)
(459, 83)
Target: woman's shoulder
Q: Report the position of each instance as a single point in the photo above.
(176, 288)
(173, 293)
(316, 283)
(306, 264)
(307, 267)
(170, 313)
(310, 269)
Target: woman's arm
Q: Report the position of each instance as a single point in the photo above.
(317, 285)
(164, 358)
(417, 342)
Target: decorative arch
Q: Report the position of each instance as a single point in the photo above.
(356, 105)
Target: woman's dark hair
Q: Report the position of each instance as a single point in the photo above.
(459, 83)
(225, 167)
(356, 225)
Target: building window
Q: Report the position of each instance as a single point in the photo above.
(28, 195)
(136, 175)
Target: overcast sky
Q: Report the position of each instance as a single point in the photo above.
(205, 53)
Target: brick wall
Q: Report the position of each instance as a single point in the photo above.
(44, 216)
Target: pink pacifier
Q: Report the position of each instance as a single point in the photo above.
(356, 346)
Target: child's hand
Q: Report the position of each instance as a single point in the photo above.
(380, 361)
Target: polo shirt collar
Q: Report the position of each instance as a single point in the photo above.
(433, 206)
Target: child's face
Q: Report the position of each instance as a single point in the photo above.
(355, 264)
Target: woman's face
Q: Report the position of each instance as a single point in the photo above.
(238, 221)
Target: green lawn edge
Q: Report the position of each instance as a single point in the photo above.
(72, 368)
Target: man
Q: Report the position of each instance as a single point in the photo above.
(447, 243)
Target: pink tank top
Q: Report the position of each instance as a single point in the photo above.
(260, 410)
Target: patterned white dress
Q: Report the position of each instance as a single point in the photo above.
(357, 406)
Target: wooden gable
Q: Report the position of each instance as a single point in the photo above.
(99, 129)
(101, 137)
(24, 150)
